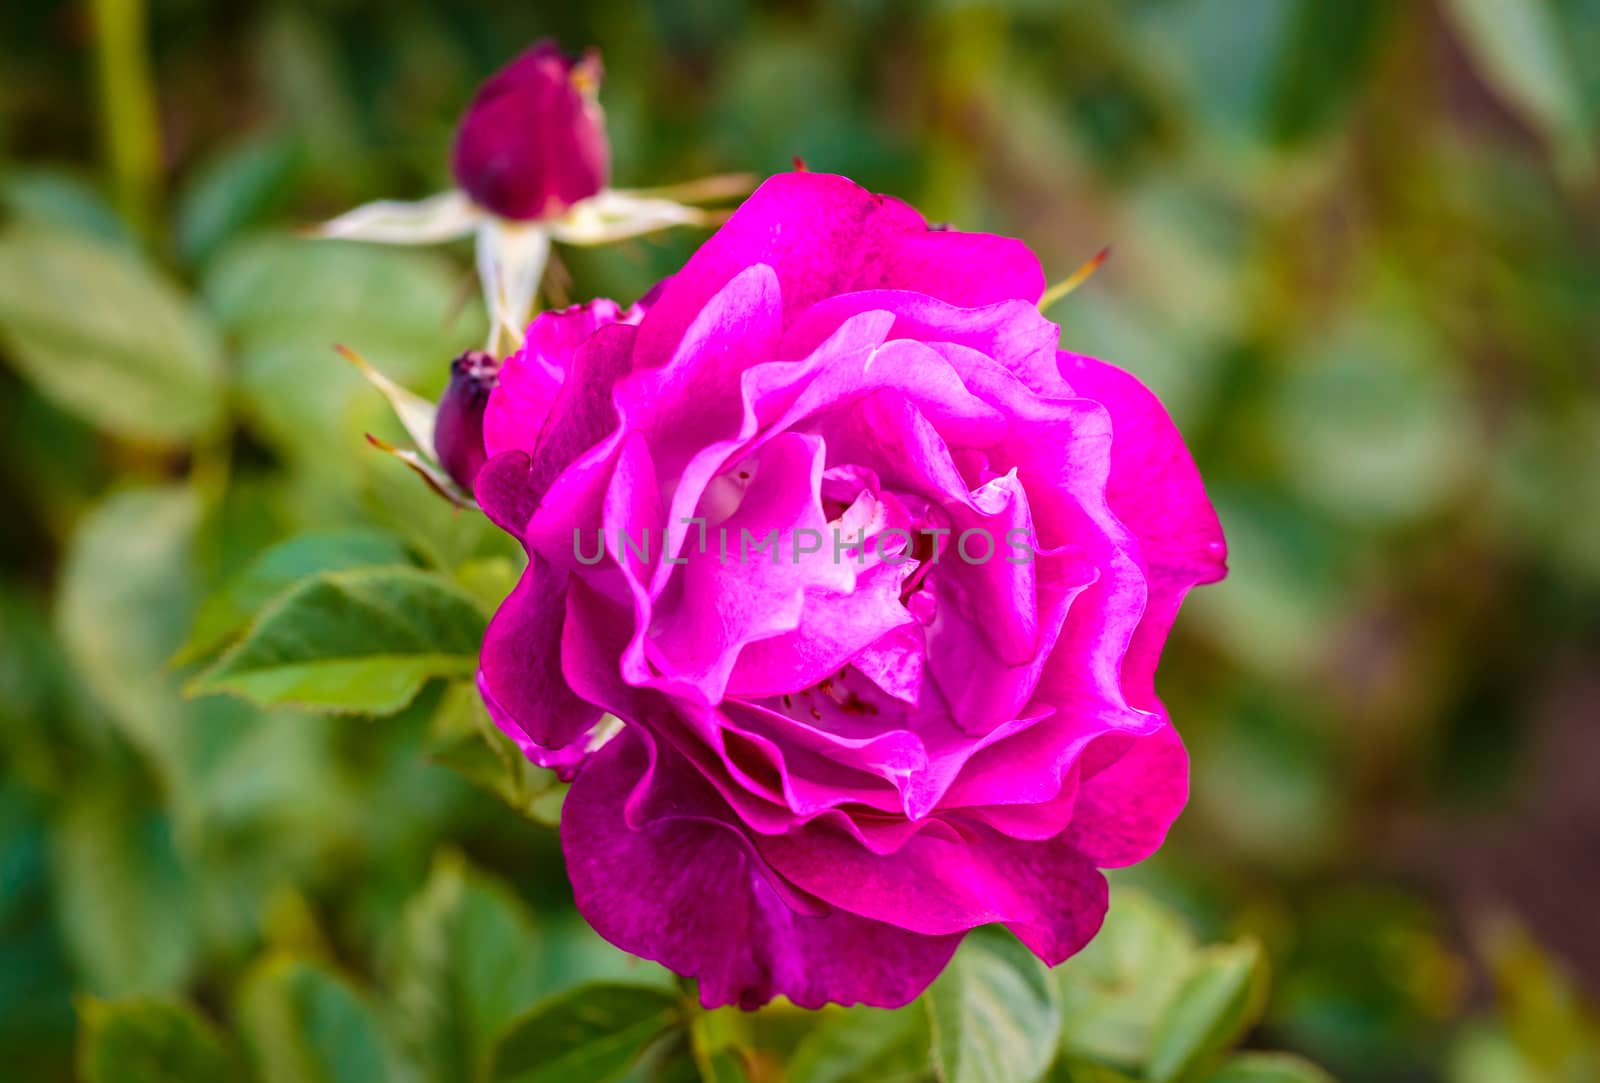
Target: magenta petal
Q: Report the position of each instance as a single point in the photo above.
(690, 895)
(1125, 807)
(531, 377)
(825, 235)
(519, 672)
(572, 455)
(1048, 893)
(1153, 486)
(760, 590)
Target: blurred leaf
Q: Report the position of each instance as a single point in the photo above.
(361, 640)
(123, 897)
(864, 1044)
(1268, 784)
(415, 413)
(463, 738)
(1219, 1001)
(590, 1033)
(1484, 1053)
(489, 579)
(121, 607)
(1553, 1024)
(1228, 53)
(1320, 67)
(725, 1066)
(575, 954)
(1069, 1070)
(287, 301)
(994, 1013)
(1371, 425)
(1520, 52)
(669, 1059)
(235, 188)
(466, 964)
(303, 1024)
(105, 337)
(1270, 1068)
(1371, 970)
(230, 610)
(58, 199)
(721, 1041)
(35, 975)
(149, 1041)
(445, 535)
(1114, 991)
(1285, 584)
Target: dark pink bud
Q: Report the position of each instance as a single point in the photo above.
(458, 426)
(533, 141)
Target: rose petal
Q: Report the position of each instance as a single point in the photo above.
(690, 895)
(531, 377)
(1047, 893)
(825, 235)
(520, 676)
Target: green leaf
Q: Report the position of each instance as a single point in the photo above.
(864, 1044)
(303, 1024)
(1519, 50)
(59, 199)
(288, 301)
(105, 337)
(1325, 56)
(1114, 991)
(234, 189)
(226, 613)
(122, 605)
(1270, 1068)
(463, 738)
(669, 1059)
(1218, 1002)
(362, 640)
(1371, 424)
(994, 1012)
(466, 963)
(149, 1041)
(590, 1033)
(123, 897)
(1072, 1070)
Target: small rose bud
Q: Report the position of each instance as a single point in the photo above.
(533, 141)
(458, 426)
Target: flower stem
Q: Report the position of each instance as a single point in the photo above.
(127, 108)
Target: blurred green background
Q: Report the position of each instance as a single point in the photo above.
(1356, 249)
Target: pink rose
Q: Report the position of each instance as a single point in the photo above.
(836, 759)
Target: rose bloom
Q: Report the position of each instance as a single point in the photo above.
(832, 765)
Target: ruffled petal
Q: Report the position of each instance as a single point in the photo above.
(1154, 488)
(520, 672)
(530, 377)
(691, 895)
(1048, 893)
(1128, 800)
(824, 235)
(572, 447)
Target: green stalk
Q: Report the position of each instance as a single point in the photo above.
(128, 109)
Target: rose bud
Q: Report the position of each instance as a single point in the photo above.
(458, 426)
(533, 141)
(532, 168)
